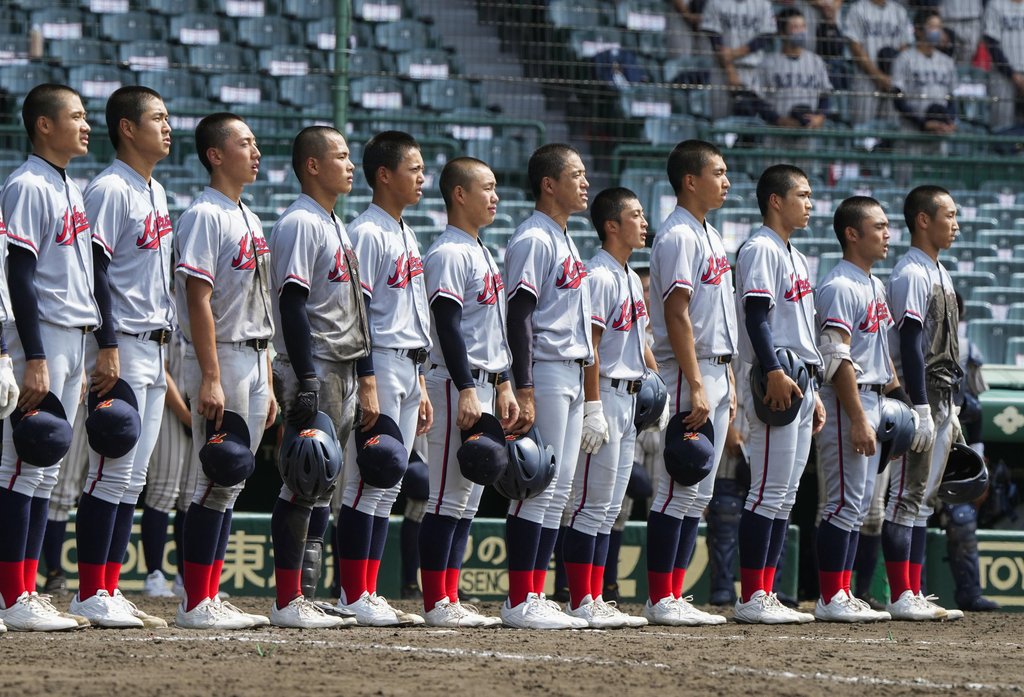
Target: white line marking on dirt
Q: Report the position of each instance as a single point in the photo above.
(822, 639)
(866, 680)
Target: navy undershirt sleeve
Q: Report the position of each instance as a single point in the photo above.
(520, 337)
(999, 60)
(295, 330)
(448, 321)
(21, 273)
(760, 332)
(364, 365)
(105, 336)
(912, 357)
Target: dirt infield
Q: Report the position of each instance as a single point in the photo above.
(981, 653)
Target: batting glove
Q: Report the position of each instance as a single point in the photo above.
(306, 404)
(595, 427)
(662, 423)
(9, 391)
(924, 436)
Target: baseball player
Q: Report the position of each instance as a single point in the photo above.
(877, 30)
(926, 354)
(621, 357)
(322, 330)
(793, 83)
(222, 293)
(854, 320)
(390, 379)
(468, 377)
(739, 31)
(963, 19)
(925, 78)
(1002, 28)
(695, 338)
(550, 340)
(50, 278)
(131, 232)
(776, 310)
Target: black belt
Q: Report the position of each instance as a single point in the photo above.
(877, 389)
(578, 361)
(87, 329)
(720, 360)
(814, 371)
(484, 376)
(160, 336)
(416, 355)
(632, 386)
(258, 344)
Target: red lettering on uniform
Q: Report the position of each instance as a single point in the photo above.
(246, 259)
(3, 229)
(878, 313)
(339, 274)
(800, 288)
(155, 229)
(492, 286)
(405, 271)
(571, 275)
(717, 267)
(628, 314)
(75, 224)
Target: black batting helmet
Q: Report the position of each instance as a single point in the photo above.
(531, 467)
(310, 461)
(651, 400)
(794, 367)
(966, 476)
(895, 430)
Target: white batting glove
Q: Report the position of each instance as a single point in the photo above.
(595, 427)
(662, 423)
(9, 391)
(924, 436)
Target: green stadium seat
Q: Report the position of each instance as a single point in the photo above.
(643, 102)
(266, 32)
(378, 93)
(1015, 351)
(366, 61)
(1015, 312)
(445, 95)
(969, 228)
(969, 282)
(64, 23)
(222, 58)
(307, 90)
(736, 225)
(826, 262)
(502, 154)
(670, 130)
(171, 84)
(967, 252)
(321, 34)
(1002, 239)
(19, 79)
(308, 9)
(1005, 214)
(978, 309)
(242, 88)
(246, 8)
(1002, 267)
(202, 29)
(96, 81)
(151, 55)
(13, 48)
(283, 61)
(173, 7)
(580, 14)
(968, 202)
(992, 335)
(425, 64)
(404, 35)
(999, 297)
(379, 10)
(81, 52)
(133, 26)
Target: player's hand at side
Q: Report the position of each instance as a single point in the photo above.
(1018, 81)
(780, 390)
(469, 408)
(527, 410)
(862, 436)
(426, 411)
(211, 401)
(306, 404)
(733, 442)
(271, 414)
(508, 407)
(699, 408)
(369, 407)
(595, 427)
(924, 434)
(34, 385)
(8, 387)
(819, 416)
(108, 369)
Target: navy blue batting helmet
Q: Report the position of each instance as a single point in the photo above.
(310, 460)
(795, 368)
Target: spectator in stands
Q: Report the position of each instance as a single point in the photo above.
(924, 78)
(962, 19)
(1003, 34)
(792, 84)
(877, 31)
(739, 31)
(684, 34)
(822, 17)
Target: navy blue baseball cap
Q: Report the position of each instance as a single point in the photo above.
(114, 424)
(483, 455)
(689, 454)
(42, 436)
(381, 454)
(226, 457)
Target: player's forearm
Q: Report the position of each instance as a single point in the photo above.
(592, 373)
(649, 358)
(204, 332)
(912, 359)
(448, 321)
(21, 273)
(759, 331)
(680, 336)
(105, 336)
(519, 327)
(295, 330)
(845, 384)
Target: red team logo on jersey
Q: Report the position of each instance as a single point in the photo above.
(717, 267)
(156, 228)
(800, 288)
(571, 274)
(339, 274)
(492, 286)
(246, 259)
(405, 271)
(878, 314)
(629, 313)
(75, 223)
(3, 229)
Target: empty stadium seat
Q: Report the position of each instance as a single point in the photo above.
(308, 9)
(1002, 266)
(580, 14)
(64, 23)
(378, 93)
(174, 7)
(969, 282)
(307, 90)
(969, 228)
(992, 335)
(1003, 240)
(1000, 298)
(445, 95)
(979, 309)
(133, 26)
(13, 49)
(967, 252)
(425, 64)
(246, 8)
(96, 81)
(736, 225)
(81, 52)
(220, 58)
(290, 60)
(151, 55)
(266, 32)
(500, 153)
(671, 130)
(171, 84)
(379, 10)
(242, 88)
(19, 79)
(201, 29)
(1015, 312)
(404, 35)
(1004, 213)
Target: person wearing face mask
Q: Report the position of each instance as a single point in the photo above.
(877, 31)
(924, 77)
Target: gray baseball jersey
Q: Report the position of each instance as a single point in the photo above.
(392, 279)
(45, 214)
(785, 82)
(960, 9)
(458, 267)
(617, 300)
(921, 289)
(767, 267)
(690, 255)
(854, 302)
(541, 259)
(310, 248)
(1004, 21)
(130, 222)
(221, 242)
(878, 26)
(739, 22)
(5, 296)
(924, 80)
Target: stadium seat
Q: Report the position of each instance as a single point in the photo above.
(173, 7)
(424, 64)
(81, 52)
(13, 49)
(151, 55)
(979, 309)
(969, 228)
(186, 113)
(201, 29)
(502, 154)
(307, 90)
(321, 34)
(969, 282)
(242, 88)
(968, 202)
(133, 26)
(992, 335)
(580, 14)
(643, 102)
(378, 93)
(646, 16)
(366, 61)
(13, 21)
(1015, 312)
(1005, 214)
(826, 262)
(246, 8)
(379, 10)
(404, 35)
(1002, 266)
(171, 84)
(736, 225)
(96, 81)
(64, 23)
(266, 32)
(290, 60)
(1015, 351)
(19, 79)
(1000, 298)
(671, 130)
(1002, 239)
(222, 58)
(445, 95)
(308, 9)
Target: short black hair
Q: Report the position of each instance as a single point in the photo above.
(922, 16)
(783, 17)
(43, 100)
(458, 172)
(608, 205)
(851, 213)
(386, 149)
(310, 142)
(689, 157)
(211, 132)
(922, 199)
(128, 102)
(778, 180)
(547, 161)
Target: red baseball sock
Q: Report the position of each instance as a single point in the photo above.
(31, 571)
(433, 587)
(659, 585)
(12, 581)
(215, 572)
(372, 570)
(540, 578)
(596, 581)
(898, 573)
(520, 584)
(451, 580)
(289, 585)
(915, 577)
(579, 582)
(830, 582)
(678, 577)
(847, 579)
(91, 578)
(196, 578)
(751, 581)
(112, 576)
(768, 579)
(352, 578)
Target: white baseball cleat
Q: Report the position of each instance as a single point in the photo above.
(303, 614)
(253, 619)
(950, 614)
(488, 621)
(840, 608)
(30, 613)
(47, 600)
(406, 618)
(3, 627)
(703, 618)
(596, 615)
(157, 586)
(879, 615)
(763, 608)
(103, 611)
(536, 613)
(626, 619)
(207, 615)
(453, 615)
(148, 621)
(371, 613)
(914, 608)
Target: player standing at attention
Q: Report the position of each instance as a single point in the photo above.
(222, 291)
(390, 379)
(549, 336)
(321, 331)
(50, 278)
(621, 358)
(776, 310)
(694, 319)
(926, 351)
(857, 370)
(468, 377)
(131, 234)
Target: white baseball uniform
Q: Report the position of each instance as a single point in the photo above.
(924, 80)
(786, 82)
(1004, 21)
(171, 464)
(874, 27)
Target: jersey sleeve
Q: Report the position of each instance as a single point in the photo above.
(679, 259)
(602, 297)
(769, 24)
(901, 70)
(908, 296)
(908, 26)
(990, 24)
(711, 21)
(447, 272)
(759, 270)
(853, 27)
(24, 211)
(837, 306)
(296, 245)
(106, 206)
(200, 245)
(369, 249)
(527, 261)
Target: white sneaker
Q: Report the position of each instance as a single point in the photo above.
(47, 600)
(597, 616)
(479, 619)
(103, 611)
(303, 614)
(371, 613)
(536, 613)
(763, 608)
(408, 619)
(951, 615)
(879, 615)
(626, 619)
(156, 586)
(30, 614)
(703, 618)
(332, 609)
(914, 608)
(148, 621)
(207, 615)
(3, 627)
(841, 609)
(453, 615)
(178, 587)
(253, 619)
